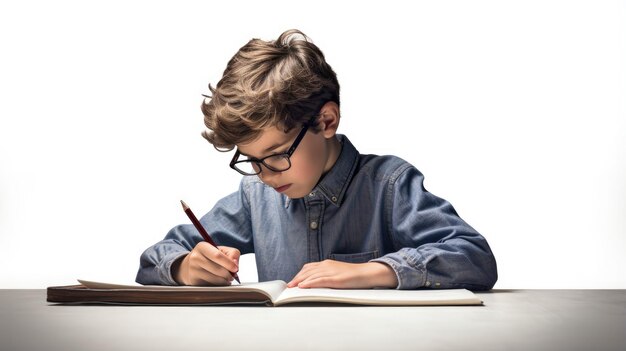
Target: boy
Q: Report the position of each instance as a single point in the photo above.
(315, 212)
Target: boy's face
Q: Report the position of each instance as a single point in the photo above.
(314, 156)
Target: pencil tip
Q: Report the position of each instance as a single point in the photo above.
(185, 207)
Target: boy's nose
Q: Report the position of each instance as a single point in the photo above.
(267, 175)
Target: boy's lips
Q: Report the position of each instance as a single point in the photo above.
(280, 189)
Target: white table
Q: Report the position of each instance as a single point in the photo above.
(510, 320)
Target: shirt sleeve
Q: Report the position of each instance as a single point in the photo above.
(436, 248)
(228, 224)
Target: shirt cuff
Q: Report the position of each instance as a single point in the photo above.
(409, 277)
(165, 268)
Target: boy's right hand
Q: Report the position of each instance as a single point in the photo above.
(207, 265)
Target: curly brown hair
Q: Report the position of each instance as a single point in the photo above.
(284, 82)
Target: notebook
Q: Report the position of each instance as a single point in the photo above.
(270, 293)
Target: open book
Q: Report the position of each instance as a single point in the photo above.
(271, 293)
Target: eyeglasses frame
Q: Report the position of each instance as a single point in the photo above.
(260, 161)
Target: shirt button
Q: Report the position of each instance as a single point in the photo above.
(427, 283)
(313, 225)
(312, 194)
(334, 198)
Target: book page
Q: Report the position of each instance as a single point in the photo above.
(271, 288)
(380, 296)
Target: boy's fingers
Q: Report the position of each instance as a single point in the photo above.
(320, 282)
(302, 275)
(216, 255)
(213, 268)
(206, 278)
(192, 272)
(231, 252)
(295, 280)
(200, 267)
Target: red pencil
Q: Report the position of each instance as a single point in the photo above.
(205, 235)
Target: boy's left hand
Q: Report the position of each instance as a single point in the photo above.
(341, 275)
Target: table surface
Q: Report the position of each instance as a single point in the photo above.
(509, 320)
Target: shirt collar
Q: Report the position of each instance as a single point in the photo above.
(334, 183)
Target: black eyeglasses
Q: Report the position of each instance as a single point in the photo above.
(277, 162)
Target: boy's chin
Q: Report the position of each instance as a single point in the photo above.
(296, 195)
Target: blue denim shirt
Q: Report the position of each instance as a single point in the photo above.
(367, 208)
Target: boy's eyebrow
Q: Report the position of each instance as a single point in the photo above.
(275, 146)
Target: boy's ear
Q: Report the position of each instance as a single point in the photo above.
(329, 119)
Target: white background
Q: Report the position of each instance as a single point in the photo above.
(515, 111)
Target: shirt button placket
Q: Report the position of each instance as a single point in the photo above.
(315, 208)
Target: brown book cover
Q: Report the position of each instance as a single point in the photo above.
(80, 294)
